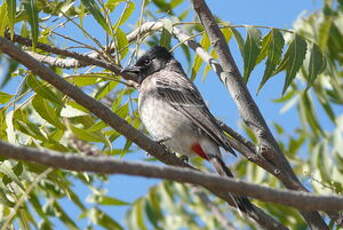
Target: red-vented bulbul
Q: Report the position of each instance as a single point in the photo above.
(173, 112)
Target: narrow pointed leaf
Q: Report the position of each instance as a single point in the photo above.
(11, 10)
(94, 9)
(317, 63)
(205, 43)
(294, 58)
(239, 40)
(251, 51)
(42, 89)
(274, 54)
(4, 18)
(5, 97)
(47, 112)
(30, 7)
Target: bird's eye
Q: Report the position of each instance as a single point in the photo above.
(147, 61)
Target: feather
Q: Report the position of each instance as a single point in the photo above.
(179, 92)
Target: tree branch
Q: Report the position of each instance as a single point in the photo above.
(120, 125)
(248, 109)
(108, 165)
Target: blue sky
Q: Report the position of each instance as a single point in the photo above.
(264, 12)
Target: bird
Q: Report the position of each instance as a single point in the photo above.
(175, 114)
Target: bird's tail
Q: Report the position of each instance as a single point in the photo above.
(241, 202)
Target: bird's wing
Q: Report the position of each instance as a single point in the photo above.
(179, 92)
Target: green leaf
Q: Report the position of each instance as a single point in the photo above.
(316, 65)
(112, 4)
(122, 111)
(30, 7)
(324, 33)
(105, 89)
(47, 112)
(43, 90)
(107, 200)
(251, 51)
(122, 43)
(128, 10)
(275, 45)
(4, 18)
(5, 97)
(69, 111)
(82, 80)
(309, 114)
(94, 9)
(197, 63)
(139, 211)
(151, 215)
(11, 11)
(293, 60)
(239, 40)
(99, 217)
(6, 169)
(63, 216)
(165, 38)
(7, 76)
(85, 135)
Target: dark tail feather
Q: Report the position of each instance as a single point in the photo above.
(242, 203)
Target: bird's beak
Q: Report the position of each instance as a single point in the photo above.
(131, 69)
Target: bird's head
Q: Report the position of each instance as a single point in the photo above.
(152, 61)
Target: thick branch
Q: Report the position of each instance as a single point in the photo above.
(119, 124)
(99, 164)
(247, 106)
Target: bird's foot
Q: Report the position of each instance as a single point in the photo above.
(184, 158)
(163, 140)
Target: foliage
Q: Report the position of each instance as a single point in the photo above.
(37, 115)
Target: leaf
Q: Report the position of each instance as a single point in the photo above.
(7, 76)
(324, 33)
(139, 211)
(149, 211)
(4, 18)
(47, 112)
(30, 7)
(82, 80)
(94, 9)
(306, 108)
(85, 135)
(69, 111)
(239, 40)
(128, 10)
(63, 216)
(11, 11)
(197, 63)
(276, 43)
(105, 89)
(98, 217)
(251, 51)
(316, 65)
(293, 60)
(5, 97)
(107, 200)
(42, 89)
(122, 43)
(30, 129)
(165, 38)
(112, 4)
(6, 169)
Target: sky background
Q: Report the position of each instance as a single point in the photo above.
(274, 13)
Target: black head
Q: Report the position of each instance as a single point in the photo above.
(152, 61)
